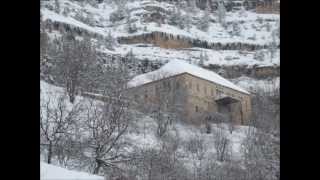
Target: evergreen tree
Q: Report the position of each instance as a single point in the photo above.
(120, 12)
(110, 41)
(201, 59)
(176, 18)
(206, 57)
(221, 13)
(192, 6)
(268, 27)
(235, 29)
(259, 56)
(57, 6)
(131, 27)
(278, 29)
(205, 20)
(188, 21)
(132, 62)
(273, 45)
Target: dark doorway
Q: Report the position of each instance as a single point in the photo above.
(230, 108)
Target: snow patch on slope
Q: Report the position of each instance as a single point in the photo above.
(51, 172)
(255, 85)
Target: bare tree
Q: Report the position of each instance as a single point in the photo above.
(168, 103)
(57, 122)
(222, 144)
(266, 110)
(110, 41)
(107, 121)
(261, 147)
(198, 149)
(162, 162)
(73, 63)
(261, 153)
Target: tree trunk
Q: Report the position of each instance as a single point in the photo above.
(49, 153)
(96, 170)
(150, 170)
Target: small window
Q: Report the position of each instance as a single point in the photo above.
(198, 89)
(146, 94)
(197, 109)
(190, 85)
(211, 91)
(163, 84)
(205, 90)
(177, 85)
(136, 97)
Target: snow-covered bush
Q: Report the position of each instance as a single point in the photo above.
(66, 11)
(204, 22)
(259, 56)
(117, 16)
(57, 6)
(222, 144)
(120, 13)
(236, 30)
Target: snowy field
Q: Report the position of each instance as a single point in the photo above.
(51, 172)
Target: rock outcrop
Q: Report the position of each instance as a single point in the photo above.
(165, 40)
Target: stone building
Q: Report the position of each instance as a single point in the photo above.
(192, 92)
(268, 6)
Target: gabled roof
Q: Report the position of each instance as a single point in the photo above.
(175, 67)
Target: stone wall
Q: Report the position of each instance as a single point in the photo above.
(203, 93)
(166, 40)
(267, 7)
(236, 71)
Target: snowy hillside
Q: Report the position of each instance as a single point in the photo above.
(142, 133)
(256, 26)
(252, 28)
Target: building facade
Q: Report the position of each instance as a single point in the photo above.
(193, 98)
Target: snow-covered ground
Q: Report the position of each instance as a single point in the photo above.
(52, 172)
(215, 57)
(254, 85)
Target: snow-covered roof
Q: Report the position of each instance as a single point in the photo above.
(175, 67)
